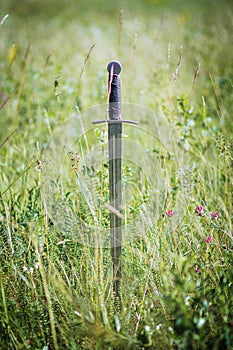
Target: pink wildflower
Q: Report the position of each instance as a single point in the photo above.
(197, 269)
(169, 213)
(209, 239)
(214, 215)
(199, 210)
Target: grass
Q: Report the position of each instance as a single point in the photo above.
(56, 290)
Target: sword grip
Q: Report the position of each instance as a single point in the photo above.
(114, 89)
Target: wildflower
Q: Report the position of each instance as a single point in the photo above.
(158, 326)
(169, 213)
(2, 96)
(25, 268)
(214, 215)
(197, 269)
(199, 210)
(187, 300)
(209, 239)
(201, 322)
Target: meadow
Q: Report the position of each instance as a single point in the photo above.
(55, 262)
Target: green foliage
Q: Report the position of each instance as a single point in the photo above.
(177, 285)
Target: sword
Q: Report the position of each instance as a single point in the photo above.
(115, 171)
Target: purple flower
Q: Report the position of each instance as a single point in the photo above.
(209, 239)
(169, 213)
(197, 269)
(214, 215)
(199, 210)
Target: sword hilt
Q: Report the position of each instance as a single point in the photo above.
(114, 90)
(114, 96)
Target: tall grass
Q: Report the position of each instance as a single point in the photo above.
(176, 289)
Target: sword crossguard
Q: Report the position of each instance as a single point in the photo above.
(117, 121)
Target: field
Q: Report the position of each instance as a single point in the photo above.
(55, 262)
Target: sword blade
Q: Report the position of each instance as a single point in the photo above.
(115, 194)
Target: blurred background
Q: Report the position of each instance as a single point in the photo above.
(151, 38)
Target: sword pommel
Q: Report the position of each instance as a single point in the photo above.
(114, 67)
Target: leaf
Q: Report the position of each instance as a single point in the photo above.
(117, 323)
(7, 138)
(12, 53)
(3, 19)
